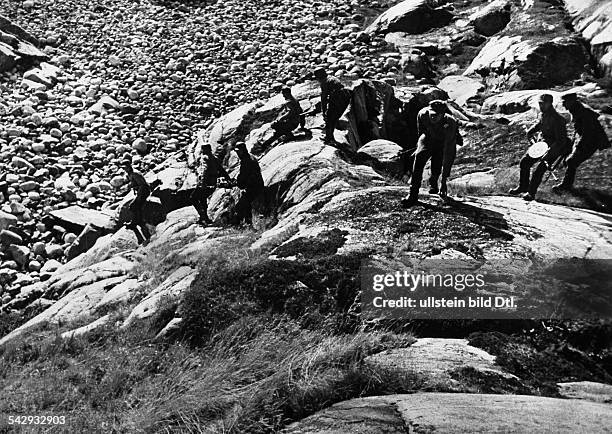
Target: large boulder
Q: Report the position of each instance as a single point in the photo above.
(492, 18)
(411, 16)
(593, 19)
(512, 62)
(385, 156)
(75, 218)
(461, 89)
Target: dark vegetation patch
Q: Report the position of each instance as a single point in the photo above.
(559, 352)
(310, 290)
(476, 381)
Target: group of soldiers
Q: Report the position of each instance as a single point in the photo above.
(590, 137)
(438, 138)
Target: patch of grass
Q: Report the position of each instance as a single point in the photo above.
(255, 376)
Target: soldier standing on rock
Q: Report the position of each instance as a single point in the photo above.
(438, 135)
(288, 120)
(592, 137)
(335, 98)
(250, 180)
(208, 172)
(553, 128)
(142, 190)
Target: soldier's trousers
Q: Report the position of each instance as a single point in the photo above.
(136, 207)
(251, 199)
(442, 158)
(579, 156)
(338, 104)
(531, 186)
(199, 199)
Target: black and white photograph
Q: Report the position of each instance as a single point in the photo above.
(305, 216)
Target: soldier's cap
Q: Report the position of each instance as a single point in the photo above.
(286, 90)
(126, 162)
(320, 72)
(546, 97)
(438, 106)
(569, 97)
(206, 146)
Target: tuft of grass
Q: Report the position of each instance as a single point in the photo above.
(256, 375)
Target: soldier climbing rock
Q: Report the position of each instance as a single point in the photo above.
(3, 183)
(209, 170)
(553, 128)
(438, 137)
(142, 190)
(288, 120)
(335, 98)
(251, 182)
(591, 138)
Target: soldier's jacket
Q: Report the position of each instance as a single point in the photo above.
(554, 130)
(290, 118)
(138, 182)
(444, 132)
(209, 170)
(332, 89)
(250, 177)
(592, 134)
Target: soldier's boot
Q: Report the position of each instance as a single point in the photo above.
(568, 180)
(409, 201)
(443, 188)
(412, 199)
(433, 189)
(528, 197)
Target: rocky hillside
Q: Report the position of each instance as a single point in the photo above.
(157, 72)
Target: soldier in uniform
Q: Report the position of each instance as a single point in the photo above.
(288, 120)
(142, 190)
(553, 128)
(591, 138)
(438, 137)
(250, 180)
(209, 170)
(3, 184)
(335, 98)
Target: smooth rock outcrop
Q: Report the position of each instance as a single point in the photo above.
(170, 290)
(438, 360)
(593, 19)
(587, 390)
(457, 413)
(520, 63)
(17, 46)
